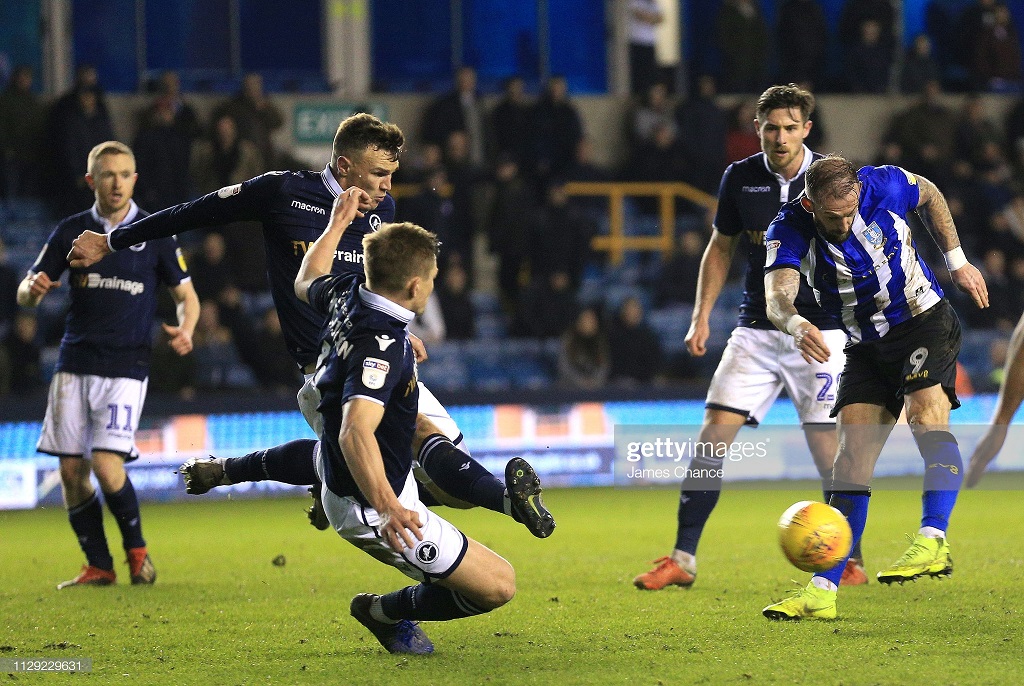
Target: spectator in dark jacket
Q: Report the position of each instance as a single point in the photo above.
(557, 129)
(996, 63)
(584, 360)
(868, 60)
(456, 305)
(802, 40)
(743, 43)
(78, 124)
(508, 228)
(256, 116)
(548, 307)
(919, 66)
(561, 236)
(261, 348)
(702, 128)
(22, 121)
(163, 152)
(210, 271)
(510, 122)
(634, 347)
(19, 357)
(458, 110)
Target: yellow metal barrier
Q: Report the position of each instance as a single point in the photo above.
(616, 243)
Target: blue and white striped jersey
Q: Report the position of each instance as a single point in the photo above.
(874, 279)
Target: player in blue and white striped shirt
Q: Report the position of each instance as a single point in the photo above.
(848, 235)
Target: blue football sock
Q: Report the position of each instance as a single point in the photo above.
(289, 463)
(427, 602)
(87, 522)
(852, 501)
(124, 505)
(459, 475)
(697, 498)
(943, 475)
(826, 491)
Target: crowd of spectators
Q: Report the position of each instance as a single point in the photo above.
(977, 48)
(491, 181)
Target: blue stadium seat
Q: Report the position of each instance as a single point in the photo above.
(27, 209)
(490, 325)
(484, 302)
(616, 294)
(671, 324)
(974, 351)
(239, 376)
(485, 361)
(446, 369)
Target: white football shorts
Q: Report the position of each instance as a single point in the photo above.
(309, 398)
(85, 413)
(757, 364)
(435, 557)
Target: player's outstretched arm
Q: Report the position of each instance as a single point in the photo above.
(319, 259)
(714, 269)
(34, 287)
(359, 419)
(936, 217)
(1011, 394)
(780, 289)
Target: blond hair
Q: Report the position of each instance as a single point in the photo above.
(107, 148)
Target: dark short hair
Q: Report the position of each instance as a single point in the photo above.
(788, 97)
(830, 177)
(362, 131)
(395, 253)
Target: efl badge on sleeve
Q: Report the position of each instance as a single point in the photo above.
(772, 247)
(374, 372)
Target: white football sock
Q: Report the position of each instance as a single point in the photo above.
(823, 583)
(931, 532)
(685, 560)
(377, 612)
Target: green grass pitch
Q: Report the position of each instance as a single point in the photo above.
(222, 613)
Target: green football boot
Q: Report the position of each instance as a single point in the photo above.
(925, 557)
(810, 602)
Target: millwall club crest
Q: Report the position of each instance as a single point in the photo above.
(874, 236)
(374, 222)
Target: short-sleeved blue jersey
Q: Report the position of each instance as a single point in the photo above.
(365, 354)
(293, 208)
(109, 324)
(749, 197)
(875, 278)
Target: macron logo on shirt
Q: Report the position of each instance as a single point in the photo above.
(110, 283)
(309, 208)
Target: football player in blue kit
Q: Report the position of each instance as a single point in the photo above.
(293, 209)
(849, 237)
(759, 360)
(367, 386)
(99, 387)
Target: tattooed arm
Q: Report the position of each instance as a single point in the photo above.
(780, 289)
(936, 217)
